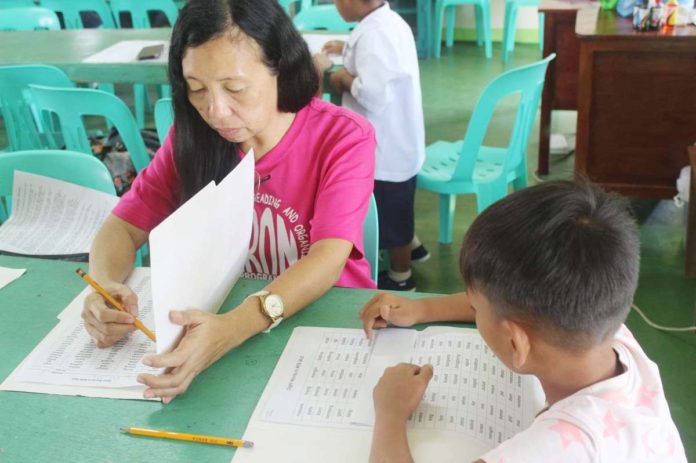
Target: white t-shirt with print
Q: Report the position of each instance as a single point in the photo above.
(622, 419)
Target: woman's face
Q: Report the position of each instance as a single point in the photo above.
(231, 87)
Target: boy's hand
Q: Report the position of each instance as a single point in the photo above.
(333, 47)
(322, 63)
(387, 308)
(400, 390)
(341, 80)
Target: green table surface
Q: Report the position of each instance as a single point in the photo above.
(220, 401)
(67, 49)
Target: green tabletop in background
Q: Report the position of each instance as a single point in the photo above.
(220, 401)
(67, 49)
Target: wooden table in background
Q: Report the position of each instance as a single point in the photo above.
(636, 104)
(691, 225)
(561, 87)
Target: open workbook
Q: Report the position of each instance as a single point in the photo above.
(197, 254)
(319, 398)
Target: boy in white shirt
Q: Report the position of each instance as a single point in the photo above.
(381, 81)
(550, 272)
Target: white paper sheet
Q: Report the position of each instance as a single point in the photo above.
(8, 275)
(127, 51)
(68, 362)
(52, 217)
(316, 400)
(199, 251)
(316, 43)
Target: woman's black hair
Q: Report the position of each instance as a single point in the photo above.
(200, 153)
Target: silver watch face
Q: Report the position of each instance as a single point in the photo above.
(274, 305)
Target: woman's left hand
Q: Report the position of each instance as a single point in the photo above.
(206, 339)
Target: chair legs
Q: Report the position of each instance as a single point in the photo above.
(451, 16)
(510, 26)
(447, 203)
(448, 12)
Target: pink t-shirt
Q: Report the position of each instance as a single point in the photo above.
(622, 419)
(321, 178)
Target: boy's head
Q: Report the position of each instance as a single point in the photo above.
(560, 258)
(356, 10)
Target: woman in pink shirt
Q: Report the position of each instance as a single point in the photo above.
(242, 78)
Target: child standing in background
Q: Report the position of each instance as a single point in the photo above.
(380, 80)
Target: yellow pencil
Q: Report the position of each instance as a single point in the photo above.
(189, 437)
(111, 300)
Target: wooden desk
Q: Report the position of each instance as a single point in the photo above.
(636, 104)
(561, 86)
(220, 401)
(67, 49)
(691, 224)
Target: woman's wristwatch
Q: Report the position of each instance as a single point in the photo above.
(271, 306)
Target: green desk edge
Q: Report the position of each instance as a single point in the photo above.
(40, 427)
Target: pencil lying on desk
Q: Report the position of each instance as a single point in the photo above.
(189, 437)
(112, 300)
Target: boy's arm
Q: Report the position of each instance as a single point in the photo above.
(385, 308)
(396, 396)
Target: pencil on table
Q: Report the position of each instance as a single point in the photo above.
(189, 437)
(112, 300)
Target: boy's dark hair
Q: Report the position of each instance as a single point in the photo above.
(561, 256)
(202, 155)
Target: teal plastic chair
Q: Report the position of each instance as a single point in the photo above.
(482, 8)
(510, 25)
(164, 117)
(16, 3)
(28, 19)
(71, 9)
(371, 237)
(139, 11)
(292, 7)
(24, 130)
(68, 166)
(321, 17)
(467, 166)
(71, 104)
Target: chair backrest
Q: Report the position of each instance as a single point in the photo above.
(164, 117)
(23, 129)
(72, 11)
(70, 166)
(71, 104)
(139, 9)
(528, 82)
(16, 3)
(371, 237)
(321, 17)
(28, 19)
(295, 6)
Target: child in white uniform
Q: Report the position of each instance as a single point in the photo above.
(381, 81)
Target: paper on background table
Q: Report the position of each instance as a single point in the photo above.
(8, 275)
(198, 252)
(67, 362)
(52, 217)
(316, 43)
(126, 51)
(315, 400)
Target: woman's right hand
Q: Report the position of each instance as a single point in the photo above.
(107, 325)
(386, 308)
